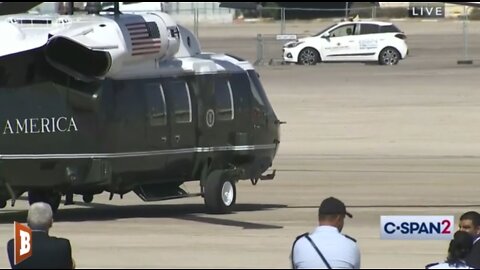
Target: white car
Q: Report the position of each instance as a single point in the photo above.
(350, 41)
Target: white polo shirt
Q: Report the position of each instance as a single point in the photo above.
(337, 249)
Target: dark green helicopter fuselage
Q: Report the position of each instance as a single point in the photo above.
(66, 136)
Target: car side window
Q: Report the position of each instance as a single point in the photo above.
(389, 29)
(367, 28)
(344, 30)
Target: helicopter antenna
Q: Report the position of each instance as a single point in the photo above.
(70, 7)
(93, 7)
(65, 8)
(116, 8)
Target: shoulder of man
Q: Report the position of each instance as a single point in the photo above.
(298, 238)
(60, 240)
(431, 265)
(10, 245)
(350, 238)
(476, 244)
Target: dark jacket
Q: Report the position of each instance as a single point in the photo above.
(47, 253)
(473, 258)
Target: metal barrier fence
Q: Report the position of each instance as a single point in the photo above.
(269, 48)
(284, 15)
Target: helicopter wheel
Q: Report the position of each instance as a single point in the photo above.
(3, 204)
(53, 199)
(87, 198)
(220, 193)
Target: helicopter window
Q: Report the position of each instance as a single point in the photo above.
(255, 93)
(223, 99)
(174, 32)
(157, 112)
(182, 105)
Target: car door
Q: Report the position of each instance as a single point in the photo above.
(368, 40)
(340, 44)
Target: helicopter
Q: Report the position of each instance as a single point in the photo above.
(106, 101)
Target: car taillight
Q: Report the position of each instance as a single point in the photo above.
(401, 36)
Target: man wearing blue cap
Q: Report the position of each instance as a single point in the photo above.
(326, 247)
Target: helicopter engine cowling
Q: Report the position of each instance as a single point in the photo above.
(100, 49)
(76, 59)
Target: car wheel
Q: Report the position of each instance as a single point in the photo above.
(308, 56)
(389, 56)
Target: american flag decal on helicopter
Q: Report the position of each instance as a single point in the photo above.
(145, 38)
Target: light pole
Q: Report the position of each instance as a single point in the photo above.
(465, 60)
(346, 10)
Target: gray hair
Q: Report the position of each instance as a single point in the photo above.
(40, 216)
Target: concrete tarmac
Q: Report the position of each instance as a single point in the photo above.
(400, 140)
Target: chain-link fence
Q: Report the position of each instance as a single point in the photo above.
(269, 46)
(199, 17)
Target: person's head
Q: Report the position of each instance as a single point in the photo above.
(459, 247)
(40, 216)
(349, 31)
(470, 223)
(332, 212)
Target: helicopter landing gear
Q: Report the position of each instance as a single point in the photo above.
(69, 198)
(220, 192)
(3, 204)
(87, 198)
(53, 199)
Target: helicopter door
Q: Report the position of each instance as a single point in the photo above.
(215, 117)
(261, 110)
(216, 111)
(157, 130)
(242, 98)
(182, 132)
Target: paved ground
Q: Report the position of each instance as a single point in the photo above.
(399, 140)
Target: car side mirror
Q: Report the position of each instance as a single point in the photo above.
(326, 35)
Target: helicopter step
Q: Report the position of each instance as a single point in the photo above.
(161, 192)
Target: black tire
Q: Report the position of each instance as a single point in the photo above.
(308, 56)
(87, 198)
(389, 56)
(53, 199)
(220, 193)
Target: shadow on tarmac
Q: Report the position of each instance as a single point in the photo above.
(188, 212)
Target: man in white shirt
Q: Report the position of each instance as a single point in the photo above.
(326, 247)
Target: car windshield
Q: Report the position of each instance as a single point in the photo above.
(324, 30)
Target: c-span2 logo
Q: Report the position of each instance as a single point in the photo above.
(22, 242)
(417, 227)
